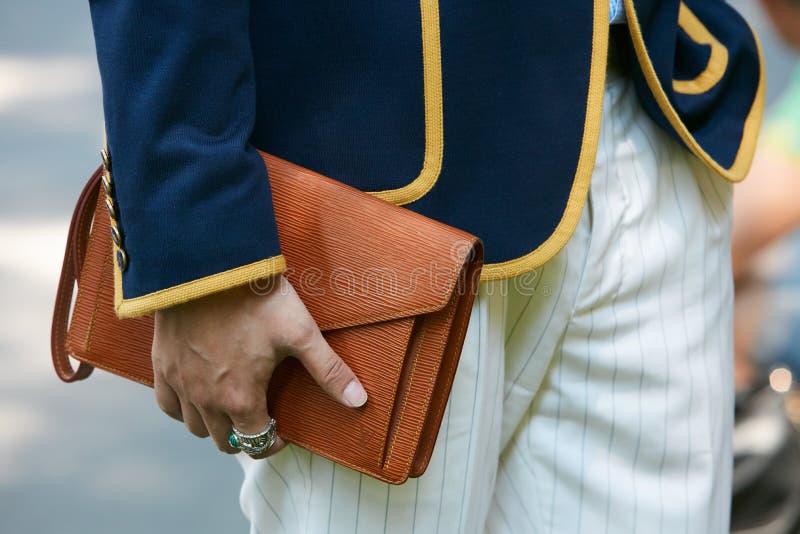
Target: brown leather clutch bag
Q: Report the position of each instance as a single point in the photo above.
(390, 289)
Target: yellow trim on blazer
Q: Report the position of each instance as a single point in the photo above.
(172, 296)
(434, 115)
(431, 168)
(717, 61)
(580, 186)
(744, 156)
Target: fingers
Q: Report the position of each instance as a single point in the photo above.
(249, 415)
(203, 419)
(328, 369)
(219, 427)
(167, 399)
(214, 358)
(193, 420)
(179, 408)
(247, 410)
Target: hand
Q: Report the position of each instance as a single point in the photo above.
(213, 359)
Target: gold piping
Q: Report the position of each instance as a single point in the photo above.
(434, 115)
(744, 156)
(717, 61)
(580, 185)
(194, 289)
(431, 168)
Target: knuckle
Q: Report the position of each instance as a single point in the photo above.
(172, 376)
(162, 400)
(238, 404)
(193, 393)
(334, 370)
(169, 410)
(202, 399)
(302, 334)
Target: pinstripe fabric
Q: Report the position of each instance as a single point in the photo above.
(593, 394)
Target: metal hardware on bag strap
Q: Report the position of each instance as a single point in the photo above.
(77, 240)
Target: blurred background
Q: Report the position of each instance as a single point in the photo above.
(99, 457)
(766, 250)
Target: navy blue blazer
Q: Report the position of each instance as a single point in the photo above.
(484, 115)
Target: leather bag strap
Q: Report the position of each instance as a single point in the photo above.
(77, 240)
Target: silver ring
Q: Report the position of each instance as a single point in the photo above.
(254, 443)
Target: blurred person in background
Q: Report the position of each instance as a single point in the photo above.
(767, 206)
(766, 482)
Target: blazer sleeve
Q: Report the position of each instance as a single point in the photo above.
(190, 196)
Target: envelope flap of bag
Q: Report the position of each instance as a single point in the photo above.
(358, 261)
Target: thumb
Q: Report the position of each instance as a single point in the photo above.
(330, 371)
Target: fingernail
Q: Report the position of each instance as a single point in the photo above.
(354, 394)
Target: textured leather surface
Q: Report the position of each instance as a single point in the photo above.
(390, 289)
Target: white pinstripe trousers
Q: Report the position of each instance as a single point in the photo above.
(593, 395)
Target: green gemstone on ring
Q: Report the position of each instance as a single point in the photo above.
(233, 441)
